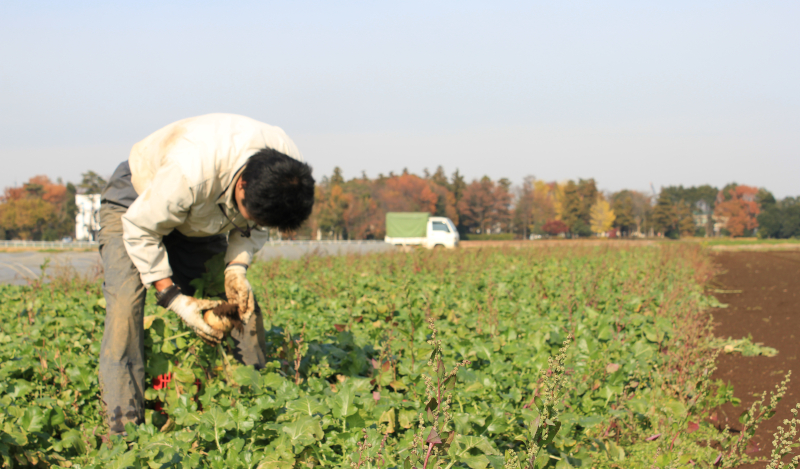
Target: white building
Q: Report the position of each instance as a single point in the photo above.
(719, 222)
(87, 221)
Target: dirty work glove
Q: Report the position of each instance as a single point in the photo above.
(190, 310)
(238, 291)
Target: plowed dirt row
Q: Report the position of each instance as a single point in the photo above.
(761, 291)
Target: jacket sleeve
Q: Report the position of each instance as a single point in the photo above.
(156, 212)
(242, 250)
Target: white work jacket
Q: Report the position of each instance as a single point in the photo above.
(183, 173)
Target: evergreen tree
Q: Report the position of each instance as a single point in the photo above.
(622, 204)
(572, 208)
(337, 179)
(457, 187)
(91, 183)
(440, 179)
(665, 219)
(686, 225)
(587, 190)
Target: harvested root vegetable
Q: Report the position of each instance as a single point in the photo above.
(223, 317)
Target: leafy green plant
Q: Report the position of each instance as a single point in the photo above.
(431, 443)
(785, 440)
(759, 411)
(211, 284)
(355, 378)
(543, 429)
(745, 346)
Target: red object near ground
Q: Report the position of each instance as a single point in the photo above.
(555, 227)
(162, 381)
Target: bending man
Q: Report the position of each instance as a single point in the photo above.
(195, 188)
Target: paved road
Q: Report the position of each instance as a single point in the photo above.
(18, 267)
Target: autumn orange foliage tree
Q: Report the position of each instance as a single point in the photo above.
(329, 208)
(555, 227)
(39, 209)
(408, 193)
(738, 204)
(485, 205)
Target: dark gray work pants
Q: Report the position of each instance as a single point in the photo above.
(122, 357)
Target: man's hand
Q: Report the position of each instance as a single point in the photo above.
(239, 292)
(190, 310)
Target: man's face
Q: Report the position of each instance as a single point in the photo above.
(238, 194)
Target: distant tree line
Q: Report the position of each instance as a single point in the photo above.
(356, 208)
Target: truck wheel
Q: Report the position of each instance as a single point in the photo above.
(438, 246)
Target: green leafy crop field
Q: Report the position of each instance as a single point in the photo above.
(582, 357)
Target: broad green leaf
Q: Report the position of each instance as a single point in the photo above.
(304, 431)
(247, 376)
(638, 405)
(676, 408)
(217, 420)
(157, 365)
(184, 375)
(483, 350)
(343, 404)
(589, 421)
(605, 333)
(450, 383)
(148, 321)
(615, 453)
(73, 439)
(14, 436)
(388, 417)
(475, 462)
(407, 418)
(307, 405)
(124, 461)
(34, 419)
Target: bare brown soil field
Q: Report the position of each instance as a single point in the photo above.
(558, 242)
(619, 242)
(761, 290)
(757, 247)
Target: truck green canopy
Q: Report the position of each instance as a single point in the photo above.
(407, 224)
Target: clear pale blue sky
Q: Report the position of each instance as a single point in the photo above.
(629, 93)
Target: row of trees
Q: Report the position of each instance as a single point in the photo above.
(356, 208)
(778, 219)
(41, 209)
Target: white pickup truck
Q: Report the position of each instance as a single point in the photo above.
(420, 229)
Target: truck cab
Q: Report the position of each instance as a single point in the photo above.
(442, 232)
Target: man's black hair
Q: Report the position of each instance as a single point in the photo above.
(278, 191)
